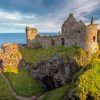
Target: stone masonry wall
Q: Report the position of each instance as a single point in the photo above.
(10, 56)
(72, 32)
(91, 38)
(46, 41)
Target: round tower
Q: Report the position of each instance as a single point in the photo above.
(91, 44)
(30, 34)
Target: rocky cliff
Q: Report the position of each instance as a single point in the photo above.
(55, 72)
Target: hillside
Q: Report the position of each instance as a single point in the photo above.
(83, 82)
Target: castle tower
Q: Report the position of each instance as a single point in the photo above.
(30, 34)
(91, 38)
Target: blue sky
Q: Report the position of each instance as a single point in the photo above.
(46, 15)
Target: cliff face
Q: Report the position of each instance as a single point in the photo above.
(55, 72)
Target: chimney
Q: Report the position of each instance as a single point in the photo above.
(71, 15)
(92, 19)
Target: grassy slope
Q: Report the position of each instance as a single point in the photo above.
(23, 84)
(89, 81)
(56, 94)
(4, 92)
(33, 56)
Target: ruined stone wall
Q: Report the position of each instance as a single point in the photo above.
(47, 41)
(72, 32)
(98, 37)
(30, 34)
(10, 56)
(69, 27)
(10, 48)
(81, 30)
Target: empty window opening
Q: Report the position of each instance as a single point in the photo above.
(1, 63)
(79, 31)
(62, 41)
(94, 38)
(52, 42)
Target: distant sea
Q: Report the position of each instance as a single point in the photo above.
(17, 37)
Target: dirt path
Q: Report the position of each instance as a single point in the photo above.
(13, 92)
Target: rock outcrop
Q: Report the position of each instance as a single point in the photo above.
(55, 72)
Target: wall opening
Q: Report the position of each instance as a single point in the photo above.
(52, 42)
(94, 39)
(1, 63)
(62, 41)
(79, 31)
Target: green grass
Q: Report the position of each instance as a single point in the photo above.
(34, 56)
(89, 81)
(23, 84)
(5, 94)
(57, 94)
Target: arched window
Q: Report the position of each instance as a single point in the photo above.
(94, 38)
(62, 41)
(52, 42)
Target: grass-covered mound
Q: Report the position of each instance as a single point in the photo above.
(36, 55)
(24, 84)
(5, 94)
(57, 94)
(88, 84)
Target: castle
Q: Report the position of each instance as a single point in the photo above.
(72, 33)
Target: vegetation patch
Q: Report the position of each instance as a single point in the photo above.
(24, 84)
(88, 82)
(57, 94)
(35, 55)
(5, 94)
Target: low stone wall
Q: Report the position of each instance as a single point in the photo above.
(47, 40)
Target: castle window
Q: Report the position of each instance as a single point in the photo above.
(79, 31)
(52, 42)
(94, 38)
(1, 63)
(62, 41)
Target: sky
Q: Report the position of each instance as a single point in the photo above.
(45, 15)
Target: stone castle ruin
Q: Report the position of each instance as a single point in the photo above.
(10, 56)
(72, 33)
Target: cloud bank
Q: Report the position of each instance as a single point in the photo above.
(46, 15)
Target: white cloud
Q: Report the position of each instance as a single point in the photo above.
(16, 21)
